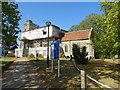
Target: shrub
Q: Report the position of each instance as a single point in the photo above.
(40, 55)
(80, 54)
(76, 53)
(31, 56)
(62, 55)
(67, 56)
(11, 55)
(84, 58)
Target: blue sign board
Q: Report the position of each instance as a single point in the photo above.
(55, 50)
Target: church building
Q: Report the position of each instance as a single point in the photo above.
(33, 40)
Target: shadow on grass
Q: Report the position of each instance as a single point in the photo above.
(69, 76)
(102, 70)
(34, 74)
(5, 62)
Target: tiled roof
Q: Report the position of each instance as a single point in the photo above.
(83, 34)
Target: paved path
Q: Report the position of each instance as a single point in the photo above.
(21, 74)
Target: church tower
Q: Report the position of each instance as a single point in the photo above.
(30, 26)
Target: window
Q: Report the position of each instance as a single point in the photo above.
(44, 45)
(40, 43)
(44, 33)
(66, 48)
(31, 44)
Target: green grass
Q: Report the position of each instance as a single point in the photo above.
(51, 80)
(5, 60)
(105, 71)
(37, 58)
(8, 58)
(46, 58)
(70, 76)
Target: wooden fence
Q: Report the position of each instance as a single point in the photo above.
(84, 77)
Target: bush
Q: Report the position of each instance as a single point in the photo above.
(84, 58)
(40, 55)
(62, 55)
(76, 53)
(67, 56)
(11, 55)
(31, 56)
(80, 54)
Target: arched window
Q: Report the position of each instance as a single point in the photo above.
(66, 48)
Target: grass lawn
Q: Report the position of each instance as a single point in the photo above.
(5, 60)
(103, 71)
(51, 80)
(37, 58)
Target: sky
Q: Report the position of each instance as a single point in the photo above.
(62, 14)
(58, 0)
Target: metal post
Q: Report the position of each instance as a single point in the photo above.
(59, 63)
(83, 80)
(36, 55)
(52, 66)
(58, 68)
(48, 49)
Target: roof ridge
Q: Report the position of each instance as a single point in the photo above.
(79, 31)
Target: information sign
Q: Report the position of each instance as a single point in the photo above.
(55, 50)
(55, 54)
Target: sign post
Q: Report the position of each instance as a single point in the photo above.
(52, 65)
(58, 68)
(55, 55)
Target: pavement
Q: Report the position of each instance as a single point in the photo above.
(20, 75)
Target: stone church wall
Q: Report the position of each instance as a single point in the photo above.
(80, 43)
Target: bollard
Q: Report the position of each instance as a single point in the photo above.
(83, 80)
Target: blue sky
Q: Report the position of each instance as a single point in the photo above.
(57, 0)
(62, 14)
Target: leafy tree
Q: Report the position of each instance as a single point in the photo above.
(87, 23)
(0, 24)
(76, 53)
(74, 28)
(0, 29)
(80, 54)
(10, 23)
(106, 41)
(83, 55)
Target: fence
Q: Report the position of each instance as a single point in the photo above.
(84, 77)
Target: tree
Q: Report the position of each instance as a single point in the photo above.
(84, 53)
(0, 24)
(10, 23)
(80, 54)
(106, 41)
(87, 23)
(76, 53)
